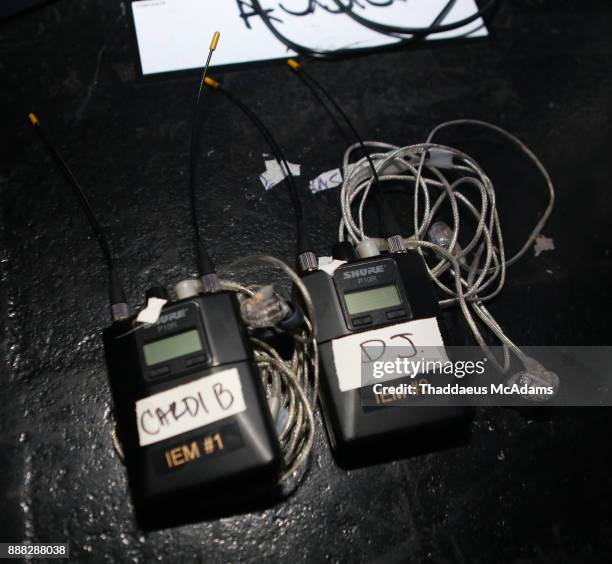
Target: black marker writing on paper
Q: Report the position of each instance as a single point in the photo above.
(189, 406)
(247, 11)
(368, 355)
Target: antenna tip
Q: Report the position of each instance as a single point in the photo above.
(215, 40)
(293, 64)
(212, 82)
(33, 119)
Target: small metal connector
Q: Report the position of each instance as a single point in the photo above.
(395, 244)
(215, 41)
(210, 283)
(119, 311)
(308, 262)
(211, 82)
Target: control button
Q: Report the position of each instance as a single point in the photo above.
(159, 371)
(365, 320)
(195, 360)
(396, 313)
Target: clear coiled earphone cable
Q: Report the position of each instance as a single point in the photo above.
(291, 384)
(478, 268)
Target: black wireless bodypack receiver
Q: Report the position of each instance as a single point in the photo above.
(360, 296)
(190, 408)
(376, 300)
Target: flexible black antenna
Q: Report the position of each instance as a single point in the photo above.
(204, 262)
(116, 294)
(387, 218)
(303, 238)
(315, 86)
(322, 103)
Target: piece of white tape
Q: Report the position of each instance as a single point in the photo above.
(325, 181)
(273, 174)
(329, 264)
(151, 313)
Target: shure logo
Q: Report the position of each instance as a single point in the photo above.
(172, 316)
(359, 272)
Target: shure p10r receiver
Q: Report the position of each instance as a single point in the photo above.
(189, 403)
(359, 297)
(378, 299)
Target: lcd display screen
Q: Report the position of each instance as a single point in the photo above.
(172, 347)
(376, 298)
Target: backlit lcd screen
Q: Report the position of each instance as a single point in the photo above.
(376, 298)
(172, 347)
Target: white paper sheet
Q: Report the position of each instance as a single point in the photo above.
(175, 34)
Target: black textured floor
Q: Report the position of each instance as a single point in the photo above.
(523, 491)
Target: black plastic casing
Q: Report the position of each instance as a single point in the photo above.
(359, 433)
(250, 453)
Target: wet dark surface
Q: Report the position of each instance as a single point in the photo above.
(526, 490)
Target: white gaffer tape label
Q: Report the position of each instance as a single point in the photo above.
(274, 174)
(420, 339)
(151, 313)
(326, 180)
(189, 406)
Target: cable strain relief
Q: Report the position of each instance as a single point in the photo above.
(294, 320)
(344, 250)
(368, 248)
